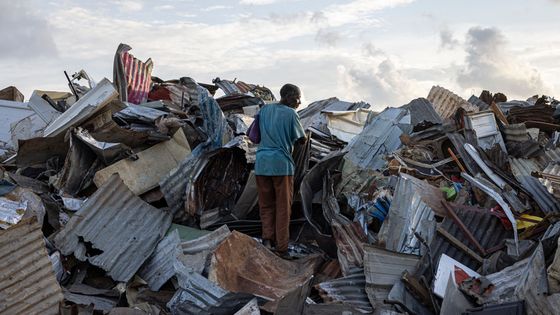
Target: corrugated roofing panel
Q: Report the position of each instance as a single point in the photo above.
(446, 102)
(408, 214)
(380, 137)
(478, 102)
(115, 230)
(349, 290)
(27, 281)
(159, 267)
(197, 251)
(383, 269)
(551, 179)
(516, 133)
(485, 227)
(422, 111)
(85, 107)
(311, 115)
(522, 169)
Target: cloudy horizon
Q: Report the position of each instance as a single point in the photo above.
(382, 52)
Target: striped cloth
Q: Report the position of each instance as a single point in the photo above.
(132, 76)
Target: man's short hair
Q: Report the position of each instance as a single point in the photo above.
(289, 90)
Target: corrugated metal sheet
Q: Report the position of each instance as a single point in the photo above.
(540, 113)
(241, 264)
(551, 179)
(487, 229)
(132, 76)
(11, 212)
(12, 112)
(422, 112)
(94, 100)
(160, 266)
(478, 103)
(506, 106)
(446, 102)
(525, 280)
(408, 214)
(522, 169)
(380, 137)
(516, 133)
(115, 230)
(312, 116)
(27, 281)
(383, 269)
(198, 295)
(349, 290)
(548, 156)
(459, 143)
(196, 252)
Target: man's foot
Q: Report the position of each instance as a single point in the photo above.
(267, 244)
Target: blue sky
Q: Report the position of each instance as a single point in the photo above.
(382, 52)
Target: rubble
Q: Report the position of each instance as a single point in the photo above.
(138, 196)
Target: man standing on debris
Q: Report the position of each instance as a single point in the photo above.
(280, 129)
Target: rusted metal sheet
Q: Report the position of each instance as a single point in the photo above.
(446, 102)
(211, 182)
(27, 281)
(11, 93)
(241, 264)
(486, 228)
(115, 230)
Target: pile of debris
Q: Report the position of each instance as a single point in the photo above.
(138, 196)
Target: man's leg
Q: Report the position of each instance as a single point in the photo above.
(267, 206)
(283, 186)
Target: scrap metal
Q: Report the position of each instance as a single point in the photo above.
(113, 216)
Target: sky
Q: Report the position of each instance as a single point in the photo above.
(383, 52)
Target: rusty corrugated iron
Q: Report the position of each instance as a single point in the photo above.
(27, 281)
(241, 264)
(446, 102)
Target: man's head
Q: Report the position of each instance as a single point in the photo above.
(290, 95)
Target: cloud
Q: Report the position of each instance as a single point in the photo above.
(129, 5)
(256, 2)
(23, 32)
(447, 41)
(327, 37)
(215, 8)
(369, 50)
(381, 85)
(489, 65)
(164, 7)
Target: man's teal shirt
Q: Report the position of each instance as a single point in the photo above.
(280, 128)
